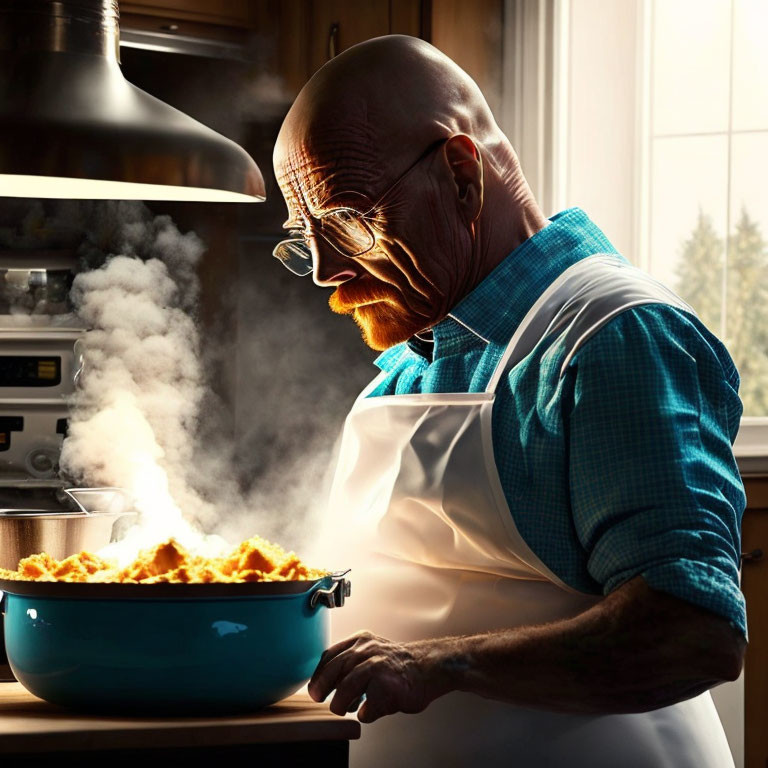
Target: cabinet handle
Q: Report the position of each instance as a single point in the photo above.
(333, 40)
(755, 554)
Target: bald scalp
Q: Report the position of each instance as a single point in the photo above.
(371, 110)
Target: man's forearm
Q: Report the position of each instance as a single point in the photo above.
(635, 650)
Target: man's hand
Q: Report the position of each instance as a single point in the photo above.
(395, 677)
(635, 650)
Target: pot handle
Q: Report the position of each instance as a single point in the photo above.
(335, 595)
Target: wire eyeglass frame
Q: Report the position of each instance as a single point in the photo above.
(295, 252)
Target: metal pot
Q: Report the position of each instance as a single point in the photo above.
(70, 520)
(167, 648)
(60, 533)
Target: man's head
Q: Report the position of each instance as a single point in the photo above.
(385, 160)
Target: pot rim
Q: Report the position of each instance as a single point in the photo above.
(163, 591)
(26, 514)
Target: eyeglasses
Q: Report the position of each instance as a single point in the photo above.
(344, 229)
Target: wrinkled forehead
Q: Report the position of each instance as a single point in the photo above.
(332, 168)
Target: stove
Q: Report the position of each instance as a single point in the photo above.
(40, 361)
(39, 366)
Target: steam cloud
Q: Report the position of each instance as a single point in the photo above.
(135, 412)
(143, 400)
(133, 417)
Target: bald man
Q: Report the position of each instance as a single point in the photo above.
(537, 495)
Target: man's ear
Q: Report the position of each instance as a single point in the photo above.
(466, 166)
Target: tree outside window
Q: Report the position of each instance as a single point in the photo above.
(701, 262)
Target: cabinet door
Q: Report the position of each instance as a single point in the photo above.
(754, 583)
(334, 25)
(471, 34)
(235, 13)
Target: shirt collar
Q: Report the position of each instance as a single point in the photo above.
(494, 309)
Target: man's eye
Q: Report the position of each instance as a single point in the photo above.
(298, 234)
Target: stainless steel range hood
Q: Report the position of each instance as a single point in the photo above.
(71, 126)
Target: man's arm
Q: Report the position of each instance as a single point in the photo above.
(637, 649)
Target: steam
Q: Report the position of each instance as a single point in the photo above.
(136, 409)
(135, 413)
(131, 419)
(144, 417)
(300, 368)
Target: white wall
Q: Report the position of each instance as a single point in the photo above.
(601, 121)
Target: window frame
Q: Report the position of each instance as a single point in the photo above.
(535, 116)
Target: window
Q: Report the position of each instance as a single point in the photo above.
(655, 117)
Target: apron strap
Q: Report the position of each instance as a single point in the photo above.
(579, 302)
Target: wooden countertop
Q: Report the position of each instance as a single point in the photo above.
(28, 724)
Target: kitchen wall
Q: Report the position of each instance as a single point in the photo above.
(600, 122)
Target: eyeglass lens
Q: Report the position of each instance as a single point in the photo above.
(347, 232)
(344, 230)
(295, 256)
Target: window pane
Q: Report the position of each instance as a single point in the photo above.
(602, 116)
(691, 65)
(750, 65)
(688, 210)
(746, 325)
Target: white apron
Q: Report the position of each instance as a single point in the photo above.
(418, 513)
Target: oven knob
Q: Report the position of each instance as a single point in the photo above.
(42, 462)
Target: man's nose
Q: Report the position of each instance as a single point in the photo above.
(330, 267)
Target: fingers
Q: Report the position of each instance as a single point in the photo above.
(342, 645)
(367, 713)
(387, 674)
(331, 665)
(379, 693)
(380, 700)
(324, 679)
(355, 705)
(351, 689)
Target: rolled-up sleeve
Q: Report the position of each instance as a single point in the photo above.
(654, 486)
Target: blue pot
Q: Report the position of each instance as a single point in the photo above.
(167, 648)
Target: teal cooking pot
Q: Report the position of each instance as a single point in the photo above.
(167, 648)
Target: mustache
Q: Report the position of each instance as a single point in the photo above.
(349, 296)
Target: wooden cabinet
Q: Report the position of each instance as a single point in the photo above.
(227, 21)
(307, 33)
(292, 39)
(754, 583)
(231, 13)
(335, 25)
(471, 34)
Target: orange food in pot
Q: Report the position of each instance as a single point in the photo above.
(256, 559)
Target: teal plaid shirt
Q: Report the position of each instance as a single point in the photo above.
(622, 466)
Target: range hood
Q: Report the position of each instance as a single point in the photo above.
(71, 126)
